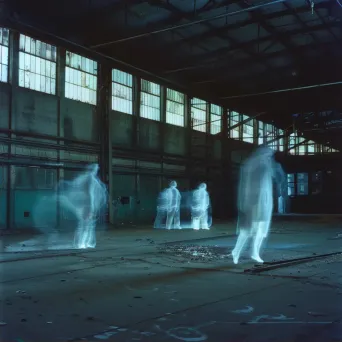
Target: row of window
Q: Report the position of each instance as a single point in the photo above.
(272, 136)
(38, 71)
(298, 183)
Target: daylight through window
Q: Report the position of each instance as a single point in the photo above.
(4, 40)
(37, 65)
(80, 78)
(122, 91)
(234, 119)
(175, 108)
(198, 115)
(215, 119)
(150, 100)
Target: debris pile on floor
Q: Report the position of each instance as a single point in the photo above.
(196, 253)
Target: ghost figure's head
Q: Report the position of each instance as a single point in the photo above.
(264, 153)
(93, 169)
(202, 186)
(173, 184)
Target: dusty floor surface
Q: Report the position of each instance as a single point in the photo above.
(144, 285)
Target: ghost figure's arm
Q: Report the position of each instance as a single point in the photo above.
(207, 201)
(178, 199)
(168, 196)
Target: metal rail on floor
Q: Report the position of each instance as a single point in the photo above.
(268, 266)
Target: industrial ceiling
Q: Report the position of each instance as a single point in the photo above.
(282, 57)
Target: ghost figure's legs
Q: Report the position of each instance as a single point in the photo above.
(78, 234)
(240, 243)
(89, 234)
(259, 236)
(195, 222)
(204, 220)
(169, 218)
(176, 219)
(79, 241)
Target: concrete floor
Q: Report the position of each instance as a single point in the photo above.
(144, 285)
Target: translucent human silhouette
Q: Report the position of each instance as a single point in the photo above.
(199, 208)
(255, 200)
(85, 196)
(162, 206)
(168, 207)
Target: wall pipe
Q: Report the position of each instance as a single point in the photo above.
(36, 144)
(321, 85)
(200, 21)
(47, 137)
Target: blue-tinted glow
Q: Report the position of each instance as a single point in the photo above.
(255, 200)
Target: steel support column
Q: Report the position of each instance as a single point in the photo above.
(14, 80)
(60, 87)
(104, 85)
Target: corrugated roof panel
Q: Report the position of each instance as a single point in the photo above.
(188, 6)
(216, 43)
(280, 61)
(324, 36)
(302, 39)
(285, 24)
(270, 47)
(277, 7)
(247, 33)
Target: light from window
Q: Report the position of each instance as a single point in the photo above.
(301, 149)
(260, 132)
(234, 119)
(122, 91)
(311, 147)
(248, 129)
(37, 65)
(215, 119)
(198, 115)
(281, 140)
(4, 39)
(319, 148)
(271, 134)
(80, 78)
(292, 142)
(175, 108)
(291, 184)
(302, 184)
(150, 100)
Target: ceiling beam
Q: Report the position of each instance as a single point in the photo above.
(223, 53)
(249, 50)
(171, 48)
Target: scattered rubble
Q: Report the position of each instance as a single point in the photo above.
(196, 253)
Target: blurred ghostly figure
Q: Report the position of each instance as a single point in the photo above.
(162, 209)
(86, 195)
(199, 207)
(255, 200)
(173, 199)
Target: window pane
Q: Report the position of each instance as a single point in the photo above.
(175, 108)
(37, 65)
(215, 119)
(80, 78)
(4, 40)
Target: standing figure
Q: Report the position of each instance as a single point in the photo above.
(255, 200)
(173, 199)
(162, 209)
(87, 195)
(199, 207)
